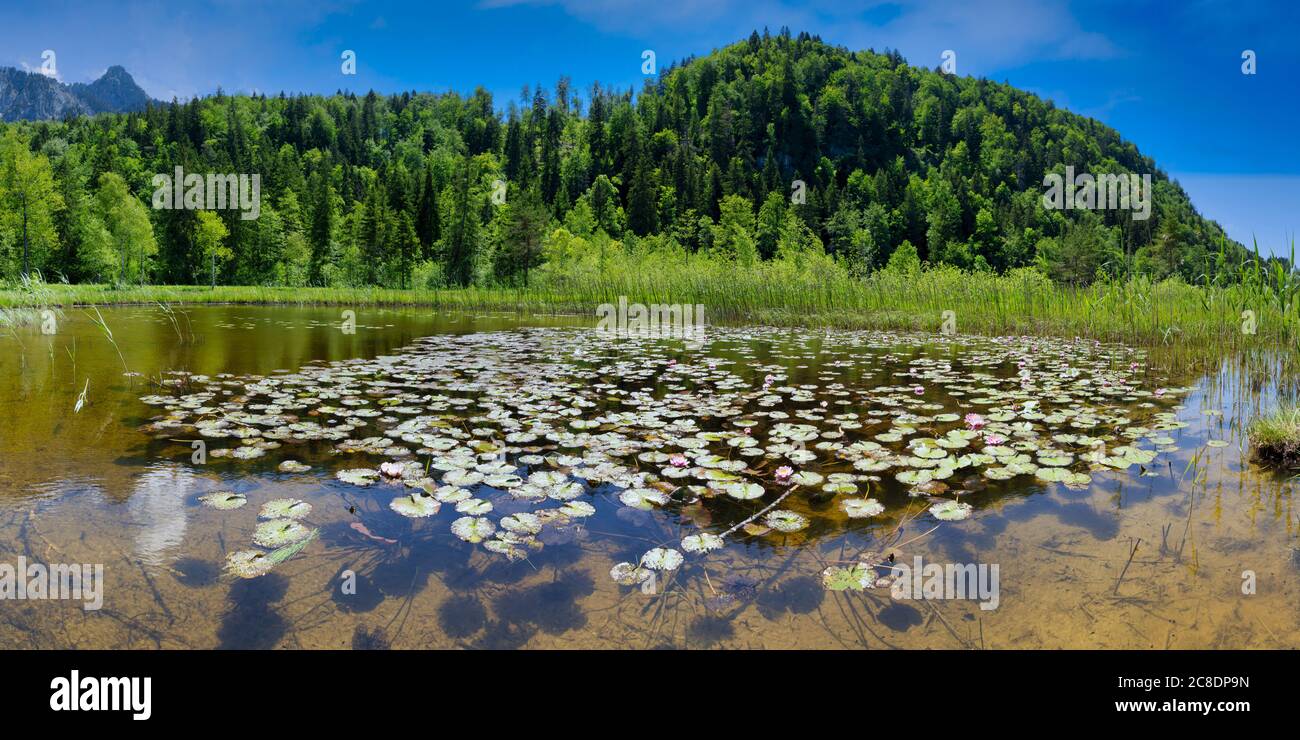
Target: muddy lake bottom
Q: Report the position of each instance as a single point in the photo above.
(480, 480)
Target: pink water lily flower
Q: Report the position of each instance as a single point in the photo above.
(918, 390)
(994, 439)
(1160, 392)
(390, 470)
(677, 461)
(974, 421)
(783, 473)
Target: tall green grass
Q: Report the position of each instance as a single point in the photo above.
(813, 290)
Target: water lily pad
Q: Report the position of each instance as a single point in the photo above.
(661, 558)
(862, 508)
(473, 529)
(703, 542)
(249, 563)
(284, 508)
(415, 505)
(358, 476)
(628, 574)
(951, 511)
(224, 500)
(280, 532)
(785, 521)
(853, 578)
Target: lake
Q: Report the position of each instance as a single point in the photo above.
(275, 477)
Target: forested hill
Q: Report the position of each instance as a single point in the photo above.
(400, 189)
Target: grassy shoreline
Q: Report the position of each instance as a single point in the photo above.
(1138, 311)
(1276, 436)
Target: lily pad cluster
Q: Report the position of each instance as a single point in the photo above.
(522, 433)
(279, 531)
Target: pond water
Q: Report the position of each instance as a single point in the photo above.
(258, 477)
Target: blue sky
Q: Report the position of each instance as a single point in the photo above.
(1167, 75)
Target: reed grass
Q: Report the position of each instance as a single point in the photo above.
(1262, 310)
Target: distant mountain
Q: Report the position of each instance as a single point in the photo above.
(31, 96)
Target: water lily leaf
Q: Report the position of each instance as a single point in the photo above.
(415, 505)
(224, 500)
(853, 578)
(284, 508)
(951, 511)
(473, 529)
(785, 521)
(643, 498)
(279, 532)
(358, 476)
(703, 542)
(628, 574)
(661, 558)
(744, 491)
(862, 508)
